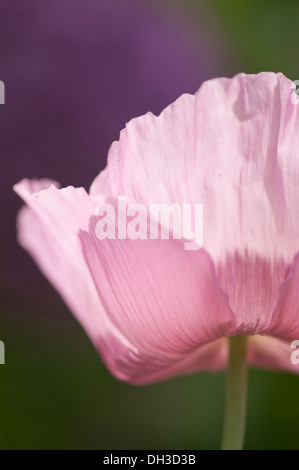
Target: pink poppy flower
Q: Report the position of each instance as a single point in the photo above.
(152, 309)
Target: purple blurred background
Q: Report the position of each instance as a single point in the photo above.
(75, 72)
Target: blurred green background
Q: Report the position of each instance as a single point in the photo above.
(54, 391)
(263, 32)
(56, 394)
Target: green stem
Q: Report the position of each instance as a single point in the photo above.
(236, 395)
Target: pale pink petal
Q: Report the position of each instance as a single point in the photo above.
(271, 353)
(32, 186)
(164, 299)
(234, 148)
(210, 357)
(49, 230)
(101, 185)
(148, 164)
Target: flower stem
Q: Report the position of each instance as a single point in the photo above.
(236, 395)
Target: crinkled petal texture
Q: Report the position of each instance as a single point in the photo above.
(147, 305)
(153, 309)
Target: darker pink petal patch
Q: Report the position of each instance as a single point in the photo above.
(252, 284)
(285, 320)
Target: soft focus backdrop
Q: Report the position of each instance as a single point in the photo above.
(75, 72)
